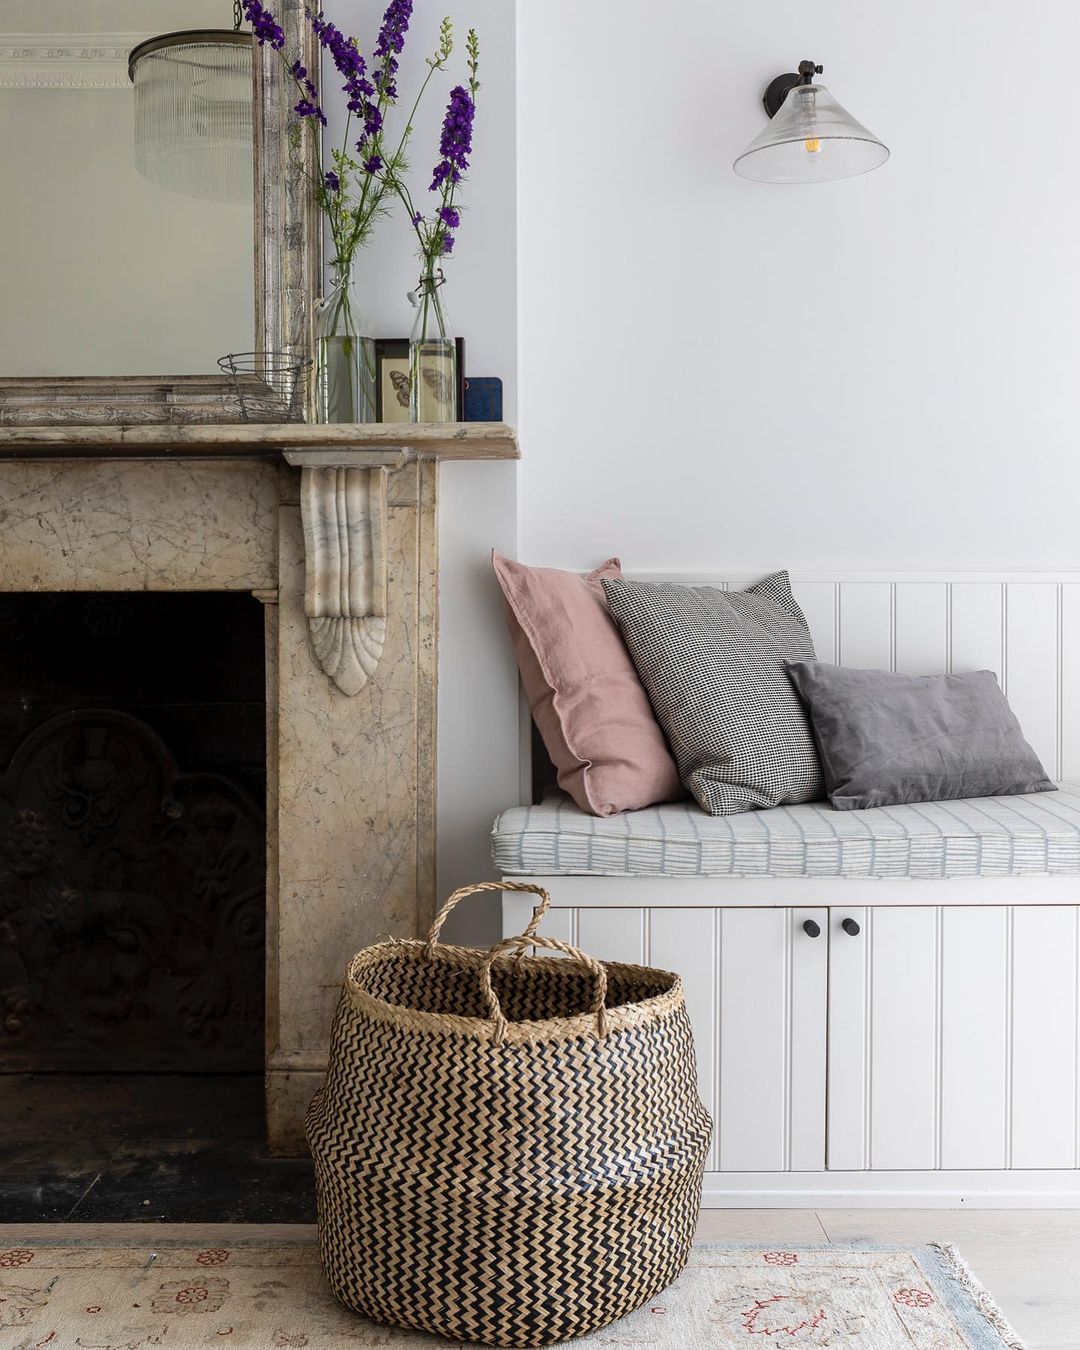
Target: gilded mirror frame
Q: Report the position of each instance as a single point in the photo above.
(287, 261)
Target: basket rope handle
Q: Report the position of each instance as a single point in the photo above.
(552, 944)
(476, 888)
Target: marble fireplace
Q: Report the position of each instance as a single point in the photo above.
(337, 539)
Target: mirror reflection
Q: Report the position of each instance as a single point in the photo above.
(103, 271)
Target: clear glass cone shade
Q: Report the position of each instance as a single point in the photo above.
(193, 115)
(810, 140)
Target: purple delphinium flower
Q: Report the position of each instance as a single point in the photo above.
(300, 75)
(389, 45)
(447, 244)
(455, 144)
(263, 25)
(332, 181)
(418, 218)
(305, 108)
(374, 164)
(450, 216)
(347, 59)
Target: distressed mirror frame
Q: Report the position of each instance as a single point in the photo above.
(287, 260)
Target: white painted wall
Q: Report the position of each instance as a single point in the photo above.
(478, 709)
(878, 372)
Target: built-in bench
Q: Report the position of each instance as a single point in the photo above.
(886, 1003)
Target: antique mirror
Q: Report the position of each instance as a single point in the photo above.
(153, 214)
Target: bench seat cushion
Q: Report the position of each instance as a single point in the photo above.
(986, 836)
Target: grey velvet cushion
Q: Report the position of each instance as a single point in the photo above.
(885, 738)
(712, 663)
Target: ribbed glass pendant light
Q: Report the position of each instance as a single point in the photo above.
(193, 112)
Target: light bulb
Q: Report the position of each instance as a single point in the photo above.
(812, 146)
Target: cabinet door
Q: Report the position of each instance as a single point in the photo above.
(953, 1038)
(756, 990)
(773, 980)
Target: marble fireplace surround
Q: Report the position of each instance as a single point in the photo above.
(341, 547)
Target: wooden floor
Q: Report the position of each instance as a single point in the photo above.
(1028, 1259)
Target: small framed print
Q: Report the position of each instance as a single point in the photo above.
(392, 380)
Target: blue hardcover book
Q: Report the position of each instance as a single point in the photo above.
(483, 398)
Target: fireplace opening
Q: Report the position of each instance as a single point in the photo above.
(132, 899)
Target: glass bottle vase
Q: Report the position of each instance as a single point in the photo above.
(344, 357)
(433, 373)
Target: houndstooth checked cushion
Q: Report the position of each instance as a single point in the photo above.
(712, 663)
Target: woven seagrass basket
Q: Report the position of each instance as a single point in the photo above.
(508, 1148)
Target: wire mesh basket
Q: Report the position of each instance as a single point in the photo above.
(269, 385)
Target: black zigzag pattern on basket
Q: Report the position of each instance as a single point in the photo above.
(516, 1194)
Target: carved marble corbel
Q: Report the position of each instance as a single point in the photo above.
(344, 515)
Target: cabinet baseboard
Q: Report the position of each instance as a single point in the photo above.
(892, 1190)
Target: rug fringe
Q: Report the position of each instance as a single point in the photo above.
(965, 1277)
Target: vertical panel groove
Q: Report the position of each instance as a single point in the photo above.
(718, 940)
(1076, 1023)
(838, 609)
(939, 1029)
(1010, 973)
(868, 1045)
(949, 627)
(789, 923)
(1060, 675)
(1005, 639)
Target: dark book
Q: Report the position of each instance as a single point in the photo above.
(483, 399)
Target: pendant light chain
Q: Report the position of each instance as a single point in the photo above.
(237, 15)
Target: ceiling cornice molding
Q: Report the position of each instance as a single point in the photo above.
(65, 60)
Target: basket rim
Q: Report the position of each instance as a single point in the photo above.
(619, 1018)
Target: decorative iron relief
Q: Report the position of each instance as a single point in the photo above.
(132, 906)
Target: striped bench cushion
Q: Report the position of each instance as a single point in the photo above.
(984, 837)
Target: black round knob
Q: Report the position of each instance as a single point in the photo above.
(851, 928)
(811, 929)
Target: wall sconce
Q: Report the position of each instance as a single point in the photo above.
(810, 138)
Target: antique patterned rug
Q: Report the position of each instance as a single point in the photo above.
(86, 1296)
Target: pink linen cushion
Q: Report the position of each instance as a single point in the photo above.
(585, 695)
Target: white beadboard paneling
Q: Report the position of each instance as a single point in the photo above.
(866, 625)
(516, 913)
(974, 1065)
(807, 1039)
(755, 952)
(612, 934)
(922, 627)
(685, 940)
(977, 633)
(1069, 695)
(557, 923)
(818, 601)
(849, 1045)
(1044, 1031)
(904, 1036)
(1031, 670)
(923, 623)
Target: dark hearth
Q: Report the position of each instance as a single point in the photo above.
(132, 833)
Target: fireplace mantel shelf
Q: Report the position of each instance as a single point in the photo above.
(369, 445)
(343, 472)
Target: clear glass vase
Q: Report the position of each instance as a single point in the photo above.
(344, 357)
(433, 373)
